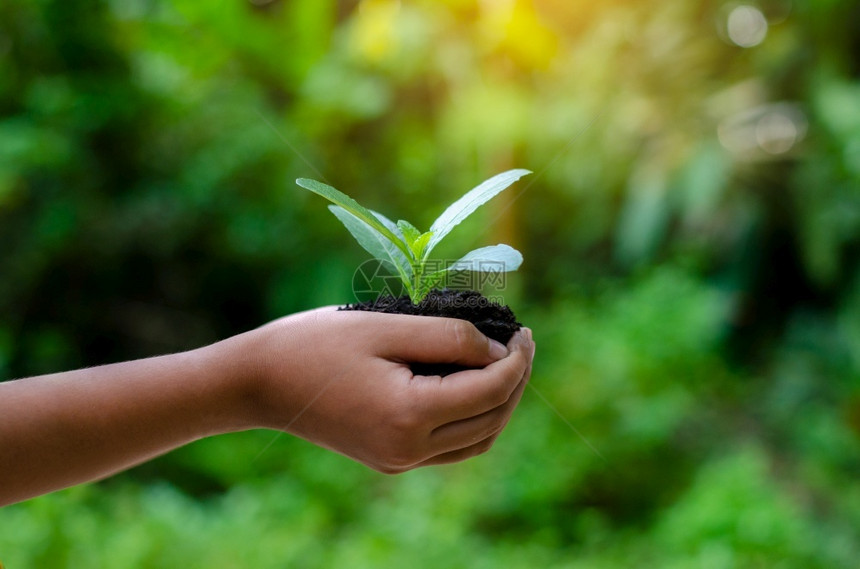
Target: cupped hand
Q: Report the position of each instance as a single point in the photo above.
(341, 379)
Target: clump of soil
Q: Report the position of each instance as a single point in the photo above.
(492, 319)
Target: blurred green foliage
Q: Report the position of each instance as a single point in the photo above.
(691, 236)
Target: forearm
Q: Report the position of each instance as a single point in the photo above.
(67, 428)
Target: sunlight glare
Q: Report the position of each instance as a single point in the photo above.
(747, 26)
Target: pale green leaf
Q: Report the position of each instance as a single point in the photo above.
(390, 225)
(347, 203)
(493, 259)
(463, 207)
(374, 242)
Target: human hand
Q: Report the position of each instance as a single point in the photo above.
(342, 380)
(339, 379)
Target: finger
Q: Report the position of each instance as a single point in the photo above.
(430, 339)
(482, 445)
(467, 432)
(470, 393)
(462, 454)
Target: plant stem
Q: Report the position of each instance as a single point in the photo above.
(416, 294)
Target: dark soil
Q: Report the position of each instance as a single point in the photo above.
(492, 319)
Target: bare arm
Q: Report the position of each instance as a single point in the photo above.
(338, 379)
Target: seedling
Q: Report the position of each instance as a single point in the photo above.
(404, 250)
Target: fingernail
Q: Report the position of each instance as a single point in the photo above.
(497, 350)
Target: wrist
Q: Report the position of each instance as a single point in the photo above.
(255, 373)
(233, 380)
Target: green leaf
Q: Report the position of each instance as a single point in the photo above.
(347, 203)
(419, 247)
(374, 242)
(463, 207)
(395, 229)
(410, 232)
(495, 258)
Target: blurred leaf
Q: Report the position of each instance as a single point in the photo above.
(495, 258)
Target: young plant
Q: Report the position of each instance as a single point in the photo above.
(405, 250)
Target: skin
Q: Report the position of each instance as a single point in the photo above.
(337, 379)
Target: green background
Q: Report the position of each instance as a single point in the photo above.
(691, 266)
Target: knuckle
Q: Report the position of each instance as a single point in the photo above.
(497, 425)
(400, 461)
(398, 450)
(499, 395)
(485, 445)
(406, 422)
(389, 469)
(491, 430)
(397, 454)
(463, 333)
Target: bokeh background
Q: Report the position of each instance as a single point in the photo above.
(691, 236)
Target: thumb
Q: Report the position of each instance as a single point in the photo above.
(431, 339)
